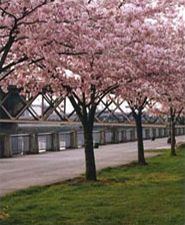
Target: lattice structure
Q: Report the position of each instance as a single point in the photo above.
(46, 108)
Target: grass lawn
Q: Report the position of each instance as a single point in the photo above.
(126, 195)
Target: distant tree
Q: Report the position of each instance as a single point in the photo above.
(170, 88)
(149, 36)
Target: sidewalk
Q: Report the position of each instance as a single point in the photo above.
(47, 168)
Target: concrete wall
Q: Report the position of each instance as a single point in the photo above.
(35, 143)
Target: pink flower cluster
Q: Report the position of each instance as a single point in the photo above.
(136, 45)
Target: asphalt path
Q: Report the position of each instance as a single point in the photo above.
(52, 167)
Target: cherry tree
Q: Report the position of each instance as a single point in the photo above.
(74, 47)
(176, 110)
(13, 16)
(172, 106)
(92, 41)
(151, 37)
(84, 51)
(171, 90)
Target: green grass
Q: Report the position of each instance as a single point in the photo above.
(126, 195)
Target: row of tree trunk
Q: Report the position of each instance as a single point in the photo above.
(89, 147)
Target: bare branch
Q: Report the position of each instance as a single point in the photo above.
(106, 91)
(73, 53)
(25, 14)
(13, 64)
(7, 13)
(5, 75)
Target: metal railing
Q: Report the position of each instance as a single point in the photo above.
(20, 143)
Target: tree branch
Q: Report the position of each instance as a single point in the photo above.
(105, 92)
(76, 107)
(143, 104)
(25, 14)
(8, 45)
(13, 64)
(8, 73)
(7, 13)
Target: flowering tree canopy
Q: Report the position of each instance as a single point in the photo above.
(14, 17)
(87, 49)
(155, 49)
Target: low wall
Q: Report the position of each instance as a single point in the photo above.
(35, 143)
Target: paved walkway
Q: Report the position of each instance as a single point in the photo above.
(51, 167)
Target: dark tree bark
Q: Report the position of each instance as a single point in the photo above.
(139, 128)
(137, 114)
(173, 153)
(172, 132)
(86, 113)
(174, 115)
(89, 152)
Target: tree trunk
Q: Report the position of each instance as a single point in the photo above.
(141, 157)
(87, 120)
(173, 139)
(172, 131)
(89, 153)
